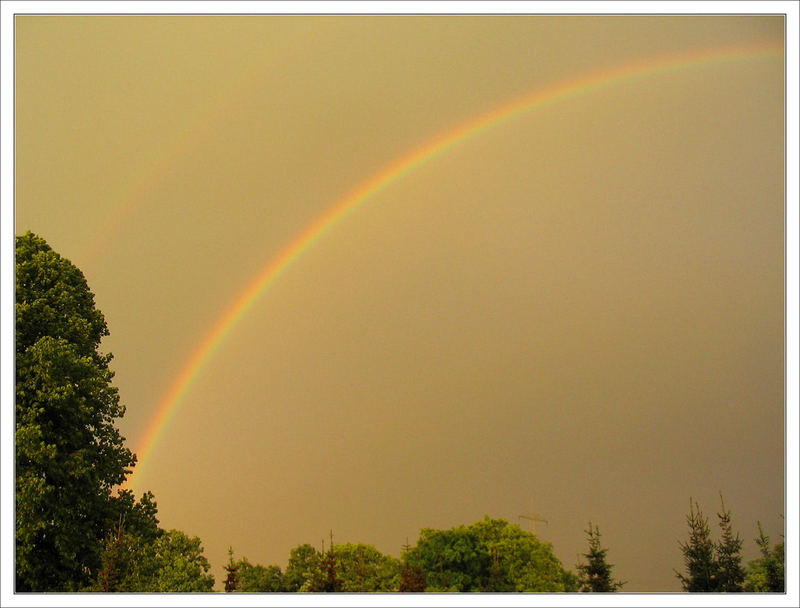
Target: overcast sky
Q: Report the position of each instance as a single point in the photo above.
(580, 308)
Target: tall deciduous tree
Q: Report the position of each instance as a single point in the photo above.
(595, 575)
(69, 455)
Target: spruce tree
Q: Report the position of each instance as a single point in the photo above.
(231, 579)
(595, 575)
(698, 554)
(730, 574)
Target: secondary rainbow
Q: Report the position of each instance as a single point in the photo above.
(239, 307)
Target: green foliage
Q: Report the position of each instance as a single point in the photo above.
(698, 553)
(324, 579)
(231, 580)
(710, 566)
(453, 560)
(362, 568)
(490, 555)
(348, 567)
(252, 578)
(172, 562)
(53, 300)
(595, 575)
(257, 578)
(69, 454)
(730, 574)
(175, 562)
(412, 579)
(303, 561)
(766, 574)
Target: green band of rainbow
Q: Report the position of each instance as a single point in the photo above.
(198, 361)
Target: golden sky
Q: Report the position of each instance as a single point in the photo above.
(580, 307)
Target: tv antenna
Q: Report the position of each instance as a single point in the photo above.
(533, 517)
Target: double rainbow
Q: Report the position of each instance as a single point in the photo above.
(244, 302)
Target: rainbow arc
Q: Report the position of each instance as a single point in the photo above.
(199, 359)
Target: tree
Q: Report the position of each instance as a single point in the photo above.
(453, 560)
(698, 554)
(231, 569)
(112, 560)
(595, 575)
(730, 574)
(255, 578)
(303, 560)
(766, 574)
(490, 555)
(412, 579)
(523, 563)
(363, 569)
(348, 567)
(710, 566)
(172, 562)
(69, 455)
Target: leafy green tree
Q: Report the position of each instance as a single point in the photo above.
(523, 562)
(362, 568)
(255, 578)
(766, 574)
(698, 554)
(172, 562)
(595, 575)
(70, 457)
(453, 560)
(347, 567)
(175, 562)
(303, 560)
(252, 578)
(490, 555)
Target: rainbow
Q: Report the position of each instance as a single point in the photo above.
(244, 302)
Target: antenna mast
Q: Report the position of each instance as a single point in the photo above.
(533, 517)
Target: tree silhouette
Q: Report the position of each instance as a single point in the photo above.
(595, 575)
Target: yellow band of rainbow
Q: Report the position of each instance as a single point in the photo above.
(204, 352)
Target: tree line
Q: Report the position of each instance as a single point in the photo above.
(77, 530)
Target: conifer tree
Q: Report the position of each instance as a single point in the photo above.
(412, 579)
(730, 574)
(325, 578)
(698, 554)
(231, 568)
(595, 575)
